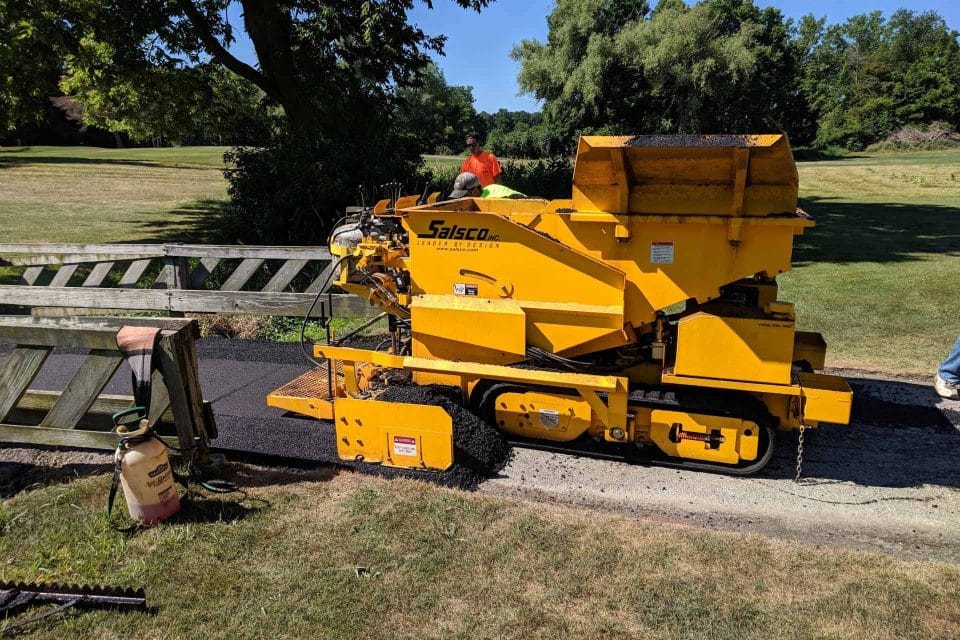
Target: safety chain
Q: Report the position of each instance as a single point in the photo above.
(803, 428)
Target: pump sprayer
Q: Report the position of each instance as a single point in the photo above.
(144, 470)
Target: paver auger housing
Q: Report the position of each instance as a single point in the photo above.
(643, 312)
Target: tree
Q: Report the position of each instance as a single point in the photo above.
(327, 63)
(32, 44)
(336, 68)
(573, 70)
(437, 114)
(332, 65)
(202, 104)
(869, 76)
(616, 66)
(521, 134)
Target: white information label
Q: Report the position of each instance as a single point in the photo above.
(404, 446)
(661, 252)
(549, 418)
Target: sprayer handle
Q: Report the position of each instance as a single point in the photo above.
(125, 419)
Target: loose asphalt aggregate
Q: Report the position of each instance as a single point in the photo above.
(888, 482)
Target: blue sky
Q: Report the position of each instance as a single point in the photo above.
(478, 45)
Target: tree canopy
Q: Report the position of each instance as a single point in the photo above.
(202, 104)
(622, 66)
(33, 42)
(330, 64)
(438, 115)
(617, 65)
(869, 76)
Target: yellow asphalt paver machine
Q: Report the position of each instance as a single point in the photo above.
(641, 314)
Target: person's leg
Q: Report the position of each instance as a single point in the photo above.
(949, 369)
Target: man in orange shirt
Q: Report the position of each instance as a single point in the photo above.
(482, 164)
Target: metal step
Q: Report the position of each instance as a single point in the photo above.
(309, 394)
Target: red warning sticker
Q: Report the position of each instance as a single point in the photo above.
(404, 446)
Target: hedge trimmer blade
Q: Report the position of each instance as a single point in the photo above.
(16, 596)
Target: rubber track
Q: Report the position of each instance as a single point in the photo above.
(706, 402)
(622, 453)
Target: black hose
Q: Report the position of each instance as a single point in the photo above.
(303, 326)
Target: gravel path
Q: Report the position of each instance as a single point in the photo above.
(888, 482)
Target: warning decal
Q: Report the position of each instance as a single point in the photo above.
(463, 289)
(661, 252)
(404, 446)
(549, 418)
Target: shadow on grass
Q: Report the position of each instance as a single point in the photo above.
(8, 162)
(248, 476)
(805, 154)
(876, 232)
(195, 508)
(17, 476)
(200, 508)
(202, 221)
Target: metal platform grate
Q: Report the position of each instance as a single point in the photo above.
(308, 394)
(312, 384)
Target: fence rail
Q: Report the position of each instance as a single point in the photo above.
(79, 414)
(281, 281)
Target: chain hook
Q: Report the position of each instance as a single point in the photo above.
(803, 428)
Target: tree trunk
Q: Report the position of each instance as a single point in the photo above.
(271, 31)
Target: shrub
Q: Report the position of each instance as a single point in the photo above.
(442, 178)
(550, 179)
(936, 135)
(293, 190)
(826, 153)
(241, 326)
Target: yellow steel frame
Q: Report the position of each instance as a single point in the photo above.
(825, 398)
(369, 430)
(612, 414)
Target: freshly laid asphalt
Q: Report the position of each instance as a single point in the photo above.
(236, 376)
(888, 482)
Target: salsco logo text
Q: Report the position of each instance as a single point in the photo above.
(446, 232)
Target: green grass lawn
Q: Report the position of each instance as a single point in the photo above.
(880, 274)
(346, 556)
(87, 194)
(444, 162)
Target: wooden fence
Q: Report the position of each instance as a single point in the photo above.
(172, 277)
(79, 414)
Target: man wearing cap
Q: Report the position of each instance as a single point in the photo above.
(482, 164)
(467, 185)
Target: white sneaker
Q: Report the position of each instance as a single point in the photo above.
(946, 389)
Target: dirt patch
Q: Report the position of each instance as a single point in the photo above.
(23, 467)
